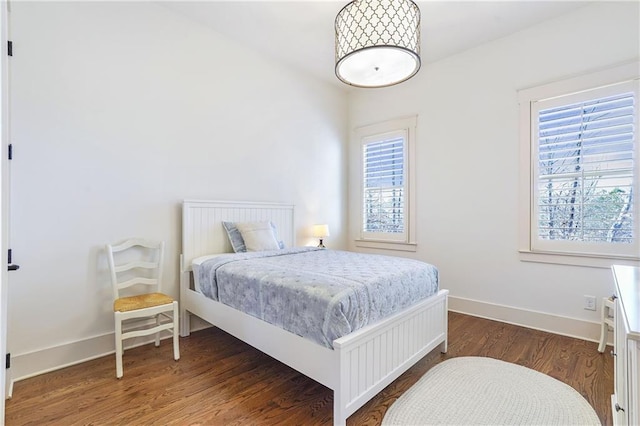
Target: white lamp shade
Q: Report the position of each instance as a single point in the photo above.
(377, 42)
(320, 231)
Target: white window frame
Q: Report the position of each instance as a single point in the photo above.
(563, 253)
(406, 127)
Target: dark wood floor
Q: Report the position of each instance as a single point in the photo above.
(221, 381)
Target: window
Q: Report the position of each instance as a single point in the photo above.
(386, 151)
(384, 185)
(583, 167)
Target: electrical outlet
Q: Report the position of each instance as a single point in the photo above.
(589, 303)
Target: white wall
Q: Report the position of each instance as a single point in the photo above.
(468, 171)
(120, 110)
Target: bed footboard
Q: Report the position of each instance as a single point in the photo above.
(372, 358)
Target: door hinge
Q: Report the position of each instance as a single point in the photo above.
(10, 151)
(11, 266)
(8, 361)
(10, 48)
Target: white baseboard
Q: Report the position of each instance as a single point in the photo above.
(45, 360)
(556, 324)
(54, 358)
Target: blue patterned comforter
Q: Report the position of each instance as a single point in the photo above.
(316, 293)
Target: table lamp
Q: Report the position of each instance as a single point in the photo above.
(321, 231)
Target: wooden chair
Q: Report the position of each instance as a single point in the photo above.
(138, 263)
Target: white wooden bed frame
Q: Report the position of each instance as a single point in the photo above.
(361, 363)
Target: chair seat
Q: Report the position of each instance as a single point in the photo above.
(141, 301)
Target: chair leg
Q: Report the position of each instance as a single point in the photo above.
(119, 349)
(176, 330)
(604, 332)
(158, 333)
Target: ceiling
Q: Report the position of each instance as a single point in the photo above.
(301, 33)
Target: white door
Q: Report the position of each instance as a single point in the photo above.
(4, 198)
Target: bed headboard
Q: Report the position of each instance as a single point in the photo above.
(203, 233)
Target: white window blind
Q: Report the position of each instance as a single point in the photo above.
(585, 173)
(384, 185)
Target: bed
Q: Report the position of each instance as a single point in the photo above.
(355, 366)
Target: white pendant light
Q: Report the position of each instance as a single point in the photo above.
(377, 42)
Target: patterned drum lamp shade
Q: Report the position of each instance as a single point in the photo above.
(377, 42)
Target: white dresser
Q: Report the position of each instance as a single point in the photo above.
(625, 400)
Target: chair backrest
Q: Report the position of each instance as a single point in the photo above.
(136, 262)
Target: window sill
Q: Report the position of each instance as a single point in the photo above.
(387, 245)
(575, 259)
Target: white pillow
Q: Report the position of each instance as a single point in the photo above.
(258, 236)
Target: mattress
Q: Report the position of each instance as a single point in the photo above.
(316, 293)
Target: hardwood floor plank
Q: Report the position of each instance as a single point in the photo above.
(222, 381)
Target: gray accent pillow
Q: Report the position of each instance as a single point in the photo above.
(235, 238)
